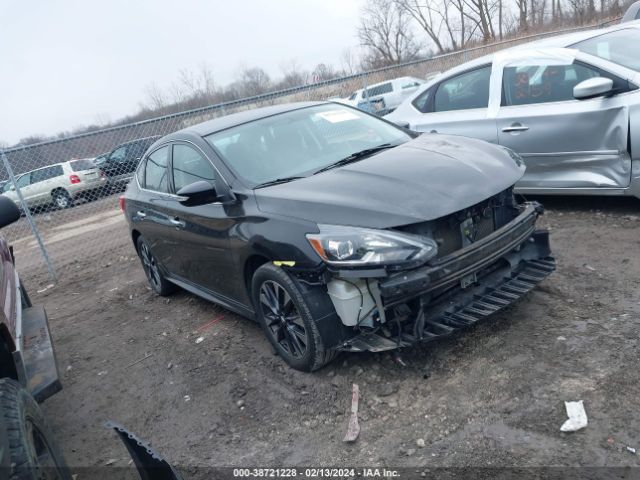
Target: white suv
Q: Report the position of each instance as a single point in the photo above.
(383, 98)
(60, 184)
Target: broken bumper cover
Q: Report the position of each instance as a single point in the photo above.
(503, 267)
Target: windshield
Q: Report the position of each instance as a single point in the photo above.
(300, 142)
(615, 47)
(84, 164)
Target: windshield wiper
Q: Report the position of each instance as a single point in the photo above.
(354, 157)
(277, 181)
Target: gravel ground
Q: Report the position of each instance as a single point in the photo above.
(491, 396)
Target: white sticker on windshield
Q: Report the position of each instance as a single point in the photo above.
(337, 116)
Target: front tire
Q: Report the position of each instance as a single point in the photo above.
(34, 455)
(155, 277)
(286, 319)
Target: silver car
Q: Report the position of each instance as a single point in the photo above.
(569, 105)
(60, 184)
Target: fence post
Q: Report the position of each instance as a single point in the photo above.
(28, 216)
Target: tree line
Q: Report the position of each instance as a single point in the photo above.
(390, 32)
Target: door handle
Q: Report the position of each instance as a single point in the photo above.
(141, 214)
(516, 127)
(177, 222)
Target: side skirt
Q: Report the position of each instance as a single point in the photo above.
(221, 300)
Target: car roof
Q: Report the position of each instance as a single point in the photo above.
(137, 140)
(234, 119)
(558, 41)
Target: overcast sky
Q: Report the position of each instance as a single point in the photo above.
(67, 63)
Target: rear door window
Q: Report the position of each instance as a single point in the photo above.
(156, 171)
(466, 91)
(40, 175)
(80, 165)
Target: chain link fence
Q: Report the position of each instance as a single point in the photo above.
(68, 189)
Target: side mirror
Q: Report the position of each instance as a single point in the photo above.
(9, 211)
(592, 88)
(198, 193)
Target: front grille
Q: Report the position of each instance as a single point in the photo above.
(467, 226)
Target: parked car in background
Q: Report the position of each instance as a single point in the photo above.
(384, 97)
(28, 374)
(633, 13)
(335, 229)
(100, 159)
(59, 184)
(122, 161)
(569, 105)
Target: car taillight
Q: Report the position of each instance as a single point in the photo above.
(74, 178)
(121, 201)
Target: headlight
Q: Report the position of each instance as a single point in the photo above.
(516, 157)
(363, 247)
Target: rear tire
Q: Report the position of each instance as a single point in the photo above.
(62, 199)
(34, 455)
(157, 281)
(286, 319)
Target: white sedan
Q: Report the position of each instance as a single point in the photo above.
(569, 105)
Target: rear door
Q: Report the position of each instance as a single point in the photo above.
(151, 212)
(566, 143)
(457, 105)
(199, 240)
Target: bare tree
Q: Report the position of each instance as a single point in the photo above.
(292, 74)
(348, 61)
(156, 97)
(323, 72)
(254, 81)
(385, 32)
(480, 14)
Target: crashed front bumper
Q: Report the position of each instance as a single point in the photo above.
(460, 289)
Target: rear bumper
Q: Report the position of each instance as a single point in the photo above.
(37, 356)
(89, 188)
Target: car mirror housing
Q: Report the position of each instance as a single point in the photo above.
(592, 88)
(198, 193)
(9, 212)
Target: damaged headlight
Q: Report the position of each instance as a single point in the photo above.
(516, 157)
(363, 247)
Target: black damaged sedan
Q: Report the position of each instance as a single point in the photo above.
(334, 229)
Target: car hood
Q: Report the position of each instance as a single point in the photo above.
(424, 179)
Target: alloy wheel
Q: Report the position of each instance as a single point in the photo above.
(150, 266)
(62, 201)
(282, 318)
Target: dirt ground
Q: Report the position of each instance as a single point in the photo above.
(491, 396)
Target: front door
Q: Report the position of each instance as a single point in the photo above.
(200, 238)
(566, 143)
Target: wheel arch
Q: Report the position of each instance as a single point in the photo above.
(251, 264)
(135, 234)
(59, 189)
